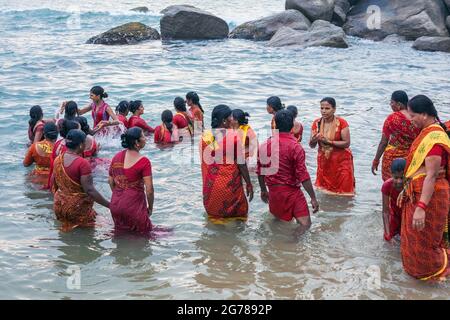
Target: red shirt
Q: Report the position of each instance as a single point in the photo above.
(180, 121)
(123, 119)
(142, 168)
(290, 156)
(388, 190)
(136, 121)
(79, 167)
(440, 151)
(197, 114)
(158, 138)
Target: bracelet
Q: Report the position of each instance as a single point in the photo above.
(422, 205)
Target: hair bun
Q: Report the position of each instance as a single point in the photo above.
(105, 95)
(124, 141)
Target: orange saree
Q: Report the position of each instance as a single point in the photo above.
(39, 153)
(72, 205)
(335, 173)
(425, 253)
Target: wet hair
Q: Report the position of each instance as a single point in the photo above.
(179, 104)
(99, 91)
(193, 96)
(293, 110)
(70, 110)
(123, 107)
(36, 114)
(50, 131)
(398, 165)
(400, 96)
(134, 105)
(130, 137)
(84, 126)
(167, 118)
(219, 113)
(74, 138)
(330, 100)
(66, 126)
(423, 104)
(240, 116)
(275, 103)
(284, 120)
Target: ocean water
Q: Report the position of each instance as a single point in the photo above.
(44, 60)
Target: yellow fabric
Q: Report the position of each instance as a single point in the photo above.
(225, 220)
(209, 139)
(441, 270)
(244, 128)
(435, 137)
(389, 147)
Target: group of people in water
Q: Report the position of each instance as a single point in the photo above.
(414, 148)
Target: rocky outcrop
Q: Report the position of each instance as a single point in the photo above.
(140, 9)
(409, 18)
(432, 44)
(264, 29)
(313, 9)
(341, 8)
(322, 33)
(447, 22)
(129, 33)
(190, 23)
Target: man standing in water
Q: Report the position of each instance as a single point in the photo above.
(285, 198)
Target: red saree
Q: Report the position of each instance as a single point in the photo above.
(128, 202)
(425, 253)
(223, 193)
(335, 173)
(72, 205)
(400, 132)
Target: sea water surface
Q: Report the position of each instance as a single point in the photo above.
(44, 60)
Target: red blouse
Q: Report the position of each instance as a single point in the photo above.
(142, 168)
(180, 121)
(123, 119)
(159, 138)
(136, 121)
(78, 168)
(440, 151)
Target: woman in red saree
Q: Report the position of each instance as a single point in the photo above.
(297, 129)
(122, 110)
(182, 120)
(130, 178)
(73, 185)
(397, 136)
(273, 105)
(40, 152)
(223, 170)
(335, 173)
(424, 232)
(196, 110)
(246, 135)
(166, 132)
(90, 146)
(36, 124)
(137, 109)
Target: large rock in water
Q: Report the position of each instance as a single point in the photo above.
(432, 44)
(140, 9)
(265, 28)
(341, 8)
(447, 22)
(190, 23)
(321, 34)
(129, 33)
(409, 18)
(313, 9)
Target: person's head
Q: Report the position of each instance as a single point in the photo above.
(70, 110)
(423, 112)
(97, 93)
(221, 117)
(84, 126)
(50, 131)
(327, 107)
(179, 104)
(399, 100)
(274, 104)
(123, 108)
(75, 140)
(239, 118)
(68, 125)
(284, 120)
(36, 115)
(133, 139)
(136, 107)
(192, 99)
(397, 171)
(167, 118)
(293, 110)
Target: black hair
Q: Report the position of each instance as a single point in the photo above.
(50, 131)
(36, 114)
(284, 120)
(179, 104)
(123, 107)
(99, 91)
(423, 104)
(398, 165)
(66, 126)
(74, 138)
(134, 105)
(130, 137)
(167, 118)
(70, 110)
(193, 96)
(219, 113)
(293, 110)
(84, 126)
(401, 97)
(330, 100)
(275, 103)
(240, 116)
